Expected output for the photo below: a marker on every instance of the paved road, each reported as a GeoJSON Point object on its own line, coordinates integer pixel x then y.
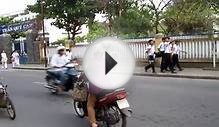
{"type": "Point", "coordinates": [157, 102]}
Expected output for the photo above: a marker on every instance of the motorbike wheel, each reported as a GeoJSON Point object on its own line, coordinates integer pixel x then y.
{"type": "Point", "coordinates": [122, 122]}
{"type": "Point", "coordinates": [10, 109]}
{"type": "Point", "coordinates": [78, 107]}
{"type": "Point", "coordinates": [51, 83]}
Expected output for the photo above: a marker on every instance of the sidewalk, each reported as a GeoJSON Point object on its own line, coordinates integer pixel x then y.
{"type": "Point", "coordinates": [194, 73]}
{"type": "Point", "coordinates": [31, 67]}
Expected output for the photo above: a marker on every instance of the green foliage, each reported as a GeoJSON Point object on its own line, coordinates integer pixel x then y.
{"type": "Point", "coordinates": [189, 16]}
{"type": "Point", "coordinates": [80, 39]}
{"type": "Point", "coordinates": [157, 9]}
{"type": "Point", "coordinates": [69, 15]}
{"type": "Point", "coordinates": [9, 21]}
{"type": "Point", "coordinates": [59, 42]}
{"type": "Point", "coordinates": [214, 4]}
{"type": "Point", "coordinates": [135, 18]}
{"type": "Point", "coordinates": [135, 22]}
{"type": "Point", "coordinates": [6, 20]}
{"type": "Point", "coordinates": [96, 30]}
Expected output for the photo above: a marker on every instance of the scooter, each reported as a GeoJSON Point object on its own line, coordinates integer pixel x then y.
{"type": "Point", "coordinates": [6, 103]}
{"type": "Point", "coordinates": [111, 110]}
{"type": "Point", "coordinates": [71, 77]}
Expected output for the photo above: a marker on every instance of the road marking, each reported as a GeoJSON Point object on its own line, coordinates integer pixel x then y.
{"type": "Point", "coordinates": [40, 83]}
{"type": "Point", "coordinates": [6, 70]}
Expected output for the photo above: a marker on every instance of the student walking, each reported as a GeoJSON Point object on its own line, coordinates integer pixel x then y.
{"type": "Point", "coordinates": [4, 60]}
{"type": "Point", "coordinates": [168, 56]}
{"type": "Point", "coordinates": [161, 49]}
{"type": "Point", "coordinates": [167, 53]}
{"type": "Point", "coordinates": [15, 59]}
{"type": "Point", "coordinates": [150, 50]}
{"type": "Point", "coordinates": [175, 58]}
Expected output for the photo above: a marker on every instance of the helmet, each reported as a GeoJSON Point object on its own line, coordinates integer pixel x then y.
{"type": "Point", "coordinates": [60, 48]}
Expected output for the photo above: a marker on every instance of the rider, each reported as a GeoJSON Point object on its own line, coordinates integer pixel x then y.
{"type": "Point", "coordinates": [59, 60]}
{"type": "Point", "coordinates": [92, 98]}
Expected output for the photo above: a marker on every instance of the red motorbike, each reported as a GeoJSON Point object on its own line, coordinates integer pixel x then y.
{"type": "Point", "coordinates": [112, 109]}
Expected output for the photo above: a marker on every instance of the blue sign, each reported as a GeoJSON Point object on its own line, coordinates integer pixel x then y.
{"type": "Point", "coordinates": [16, 27]}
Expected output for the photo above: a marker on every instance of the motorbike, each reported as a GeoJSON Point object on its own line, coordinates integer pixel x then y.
{"type": "Point", "coordinates": [6, 103]}
{"type": "Point", "coordinates": [111, 110]}
{"type": "Point", "coordinates": [71, 72]}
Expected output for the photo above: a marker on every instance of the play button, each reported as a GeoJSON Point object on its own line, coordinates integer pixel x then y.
{"type": "Point", "coordinates": [108, 63]}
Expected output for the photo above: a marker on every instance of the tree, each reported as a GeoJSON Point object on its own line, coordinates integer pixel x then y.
{"type": "Point", "coordinates": [80, 39]}
{"type": "Point", "coordinates": [134, 22]}
{"type": "Point", "coordinates": [157, 10]}
{"type": "Point", "coordinates": [114, 9]}
{"type": "Point", "coordinates": [189, 16]}
{"type": "Point", "coordinates": [96, 30]}
{"type": "Point", "coordinates": [68, 15]}
{"type": "Point", "coordinates": [59, 42]}
{"type": "Point", "coordinates": [214, 4]}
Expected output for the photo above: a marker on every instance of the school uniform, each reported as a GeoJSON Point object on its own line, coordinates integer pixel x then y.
{"type": "Point", "coordinates": [4, 60]}
{"type": "Point", "coordinates": [167, 56]}
{"type": "Point", "coordinates": [161, 50]}
{"type": "Point", "coordinates": [175, 58]}
{"type": "Point", "coordinates": [150, 50]}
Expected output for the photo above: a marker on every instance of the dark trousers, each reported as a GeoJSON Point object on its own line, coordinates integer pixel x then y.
{"type": "Point", "coordinates": [162, 65]}
{"type": "Point", "coordinates": [176, 61]}
{"type": "Point", "coordinates": [168, 61]}
{"type": "Point", "coordinates": [151, 61]}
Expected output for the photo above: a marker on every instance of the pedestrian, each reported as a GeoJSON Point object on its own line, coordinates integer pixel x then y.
{"type": "Point", "coordinates": [69, 54]}
{"type": "Point", "coordinates": [150, 50]}
{"type": "Point", "coordinates": [4, 60]}
{"type": "Point", "coordinates": [168, 55]}
{"type": "Point", "coordinates": [176, 51]}
{"type": "Point", "coordinates": [15, 59]}
{"type": "Point", "coordinates": [161, 49]}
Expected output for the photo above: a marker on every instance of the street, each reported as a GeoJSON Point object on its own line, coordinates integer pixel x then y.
{"type": "Point", "coordinates": [156, 102]}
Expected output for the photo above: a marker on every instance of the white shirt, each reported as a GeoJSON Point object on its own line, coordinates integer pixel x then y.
{"type": "Point", "coordinates": [58, 61]}
{"type": "Point", "coordinates": [150, 50]}
{"type": "Point", "coordinates": [176, 49]}
{"type": "Point", "coordinates": [168, 47]}
{"type": "Point", "coordinates": [4, 56]}
{"type": "Point", "coordinates": [15, 54]}
{"type": "Point", "coordinates": [69, 55]}
{"type": "Point", "coordinates": [161, 46]}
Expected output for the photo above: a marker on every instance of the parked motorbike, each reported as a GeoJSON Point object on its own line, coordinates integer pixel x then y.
{"type": "Point", "coordinates": [6, 103]}
{"type": "Point", "coordinates": [71, 72]}
{"type": "Point", "coordinates": [111, 109]}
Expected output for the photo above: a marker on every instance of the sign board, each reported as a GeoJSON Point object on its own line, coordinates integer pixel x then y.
{"type": "Point", "coordinates": [16, 27]}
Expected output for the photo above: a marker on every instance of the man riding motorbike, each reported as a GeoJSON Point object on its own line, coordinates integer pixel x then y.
{"type": "Point", "coordinates": [58, 61]}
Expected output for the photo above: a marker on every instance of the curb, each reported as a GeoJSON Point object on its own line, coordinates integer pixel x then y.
{"type": "Point", "coordinates": [211, 69]}
{"type": "Point", "coordinates": [177, 76]}
{"type": "Point", "coordinates": [30, 68]}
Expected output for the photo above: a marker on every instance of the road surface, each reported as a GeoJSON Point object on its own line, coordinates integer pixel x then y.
{"type": "Point", "coordinates": [156, 102]}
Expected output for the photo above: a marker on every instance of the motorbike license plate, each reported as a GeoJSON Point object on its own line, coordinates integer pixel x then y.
{"type": "Point", "coordinates": [123, 103]}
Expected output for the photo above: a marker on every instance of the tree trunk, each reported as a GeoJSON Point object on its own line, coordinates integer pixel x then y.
{"type": "Point", "coordinates": [110, 25]}
{"type": "Point", "coordinates": [69, 36]}
{"type": "Point", "coordinates": [156, 23]}
{"type": "Point", "coordinates": [73, 38]}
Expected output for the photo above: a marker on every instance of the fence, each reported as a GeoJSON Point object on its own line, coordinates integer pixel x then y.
{"type": "Point", "coordinates": [199, 48]}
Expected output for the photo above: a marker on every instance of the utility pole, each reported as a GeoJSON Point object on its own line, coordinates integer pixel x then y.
{"type": "Point", "coordinates": [214, 50]}
{"type": "Point", "coordinates": [43, 29]}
